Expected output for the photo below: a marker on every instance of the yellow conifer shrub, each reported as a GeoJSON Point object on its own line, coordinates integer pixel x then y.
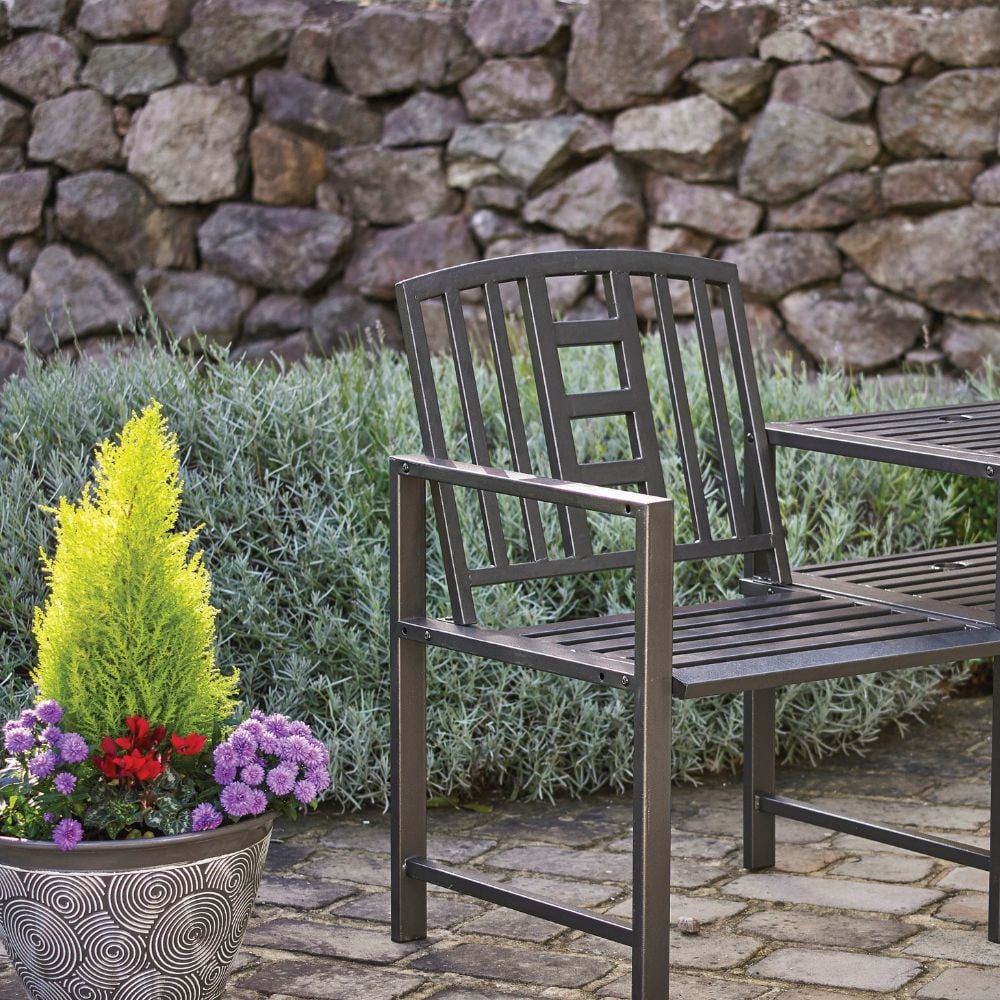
{"type": "Point", "coordinates": [128, 627]}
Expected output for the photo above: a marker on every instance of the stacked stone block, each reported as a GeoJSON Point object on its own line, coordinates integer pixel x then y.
{"type": "Point", "coordinates": [265, 170]}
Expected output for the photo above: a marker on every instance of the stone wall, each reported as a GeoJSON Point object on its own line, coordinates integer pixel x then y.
{"type": "Point", "coordinates": [266, 169]}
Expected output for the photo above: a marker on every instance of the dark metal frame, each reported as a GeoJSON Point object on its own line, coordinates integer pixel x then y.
{"type": "Point", "coordinates": [788, 628]}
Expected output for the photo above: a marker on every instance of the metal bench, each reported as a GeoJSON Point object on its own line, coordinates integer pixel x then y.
{"type": "Point", "coordinates": [786, 628]}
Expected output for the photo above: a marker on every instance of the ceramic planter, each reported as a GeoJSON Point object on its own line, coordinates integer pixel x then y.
{"type": "Point", "coordinates": [157, 919]}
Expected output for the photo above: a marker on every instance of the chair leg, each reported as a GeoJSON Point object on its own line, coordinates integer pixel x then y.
{"type": "Point", "coordinates": [408, 741]}
{"type": "Point", "coordinates": [993, 929]}
{"type": "Point", "coordinates": [758, 777]}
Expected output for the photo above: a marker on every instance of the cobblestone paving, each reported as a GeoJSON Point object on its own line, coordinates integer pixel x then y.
{"type": "Point", "coordinates": [838, 917]}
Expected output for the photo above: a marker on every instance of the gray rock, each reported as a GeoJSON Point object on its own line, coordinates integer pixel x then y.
{"type": "Point", "coordinates": [857, 326]}
{"type": "Point", "coordinates": [391, 190]}
{"type": "Point", "coordinates": [710, 209]}
{"type": "Point", "coordinates": [728, 33]}
{"type": "Point", "coordinates": [37, 15]}
{"type": "Point", "coordinates": [793, 150]}
{"type": "Point", "coordinates": [112, 214]}
{"type": "Point", "coordinates": [384, 50]}
{"type": "Point", "coordinates": [109, 19]}
{"type": "Point", "coordinates": [70, 295]}
{"type": "Point", "coordinates": [832, 88]}
{"type": "Point", "coordinates": [22, 255]}
{"type": "Point", "coordinates": [505, 90]}
{"type": "Point", "coordinates": [76, 131]}
{"type": "Point", "coordinates": [277, 316]}
{"type": "Point", "coordinates": [623, 52]}
{"type": "Point", "coordinates": [130, 72]}
{"type": "Point", "coordinates": [867, 35]}
{"type": "Point", "coordinates": [694, 138]}
{"type": "Point", "coordinates": [966, 38]}
{"type": "Point", "coordinates": [287, 168]}
{"type": "Point", "coordinates": [424, 117]}
{"type": "Point", "coordinates": [602, 204]}
{"type": "Point", "coordinates": [309, 50]}
{"type": "Point", "coordinates": [390, 255]}
{"type": "Point", "coordinates": [325, 113]}
{"type": "Point", "coordinates": [287, 249]}
{"type": "Point", "coordinates": [13, 123]}
{"type": "Point", "coordinates": [950, 260]}
{"type": "Point", "coordinates": [488, 226]}
{"type": "Point", "coordinates": [952, 114]}
{"type": "Point", "coordinates": [677, 239]}
{"type": "Point", "coordinates": [22, 198]}
{"type": "Point", "coordinates": [11, 159]}
{"type": "Point", "coordinates": [12, 361]}
{"type": "Point", "coordinates": [513, 27]}
{"type": "Point", "coordinates": [563, 292]}
{"type": "Point", "coordinates": [740, 83]}
{"type": "Point", "coordinates": [527, 153]}
{"type": "Point", "coordinates": [11, 290]}
{"type": "Point", "coordinates": [768, 338]}
{"type": "Point", "coordinates": [773, 264]}
{"type": "Point", "coordinates": [195, 305]}
{"type": "Point", "coordinates": [789, 46]}
{"type": "Point", "coordinates": [343, 317]}
{"type": "Point", "coordinates": [280, 352]}
{"type": "Point", "coordinates": [189, 144]}
{"type": "Point", "coordinates": [987, 186]}
{"type": "Point", "coordinates": [929, 183]}
{"type": "Point", "coordinates": [594, 137]}
{"type": "Point", "coordinates": [38, 66]}
{"type": "Point", "coordinates": [970, 346]}
{"type": "Point", "coordinates": [231, 36]}
{"type": "Point", "coordinates": [499, 196]}
{"type": "Point", "coordinates": [839, 202]}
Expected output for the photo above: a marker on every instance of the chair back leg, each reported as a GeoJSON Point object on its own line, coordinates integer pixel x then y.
{"type": "Point", "coordinates": [993, 924]}
{"type": "Point", "coordinates": [758, 778]}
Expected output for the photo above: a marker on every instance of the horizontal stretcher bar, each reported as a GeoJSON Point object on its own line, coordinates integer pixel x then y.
{"type": "Point", "coordinates": [934, 847]}
{"type": "Point", "coordinates": [567, 916]}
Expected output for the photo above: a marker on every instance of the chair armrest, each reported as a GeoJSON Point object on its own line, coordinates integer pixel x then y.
{"type": "Point", "coordinates": [518, 484]}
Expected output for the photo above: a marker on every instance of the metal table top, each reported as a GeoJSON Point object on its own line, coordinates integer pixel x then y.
{"type": "Point", "coordinates": [955, 438]}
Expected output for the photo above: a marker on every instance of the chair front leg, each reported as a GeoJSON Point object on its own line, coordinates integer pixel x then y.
{"type": "Point", "coordinates": [652, 766]}
{"type": "Point", "coordinates": [408, 673]}
{"type": "Point", "coordinates": [993, 926]}
{"type": "Point", "coordinates": [758, 777]}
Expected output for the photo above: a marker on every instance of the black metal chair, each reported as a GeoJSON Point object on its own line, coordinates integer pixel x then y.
{"type": "Point", "coordinates": [781, 631]}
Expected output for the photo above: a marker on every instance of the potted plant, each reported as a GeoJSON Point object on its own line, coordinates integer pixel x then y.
{"type": "Point", "coordinates": [135, 807]}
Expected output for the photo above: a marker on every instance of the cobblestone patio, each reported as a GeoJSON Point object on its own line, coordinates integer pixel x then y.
{"type": "Point", "coordinates": [839, 917]}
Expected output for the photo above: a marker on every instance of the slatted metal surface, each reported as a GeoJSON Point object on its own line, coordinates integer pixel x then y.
{"type": "Point", "coordinates": [952, 438]}
{"type": "Point", "coordinates": [780, 638]}
{"type": "Point", "coordinates": [962, 574]}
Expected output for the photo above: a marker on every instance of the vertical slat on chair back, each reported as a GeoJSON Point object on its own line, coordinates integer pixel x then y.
{"type": "Point", "coordinates": [747, 494]}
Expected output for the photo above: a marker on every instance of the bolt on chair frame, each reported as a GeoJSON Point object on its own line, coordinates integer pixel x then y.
{"type": "Point", "coordinates": [786, 628]}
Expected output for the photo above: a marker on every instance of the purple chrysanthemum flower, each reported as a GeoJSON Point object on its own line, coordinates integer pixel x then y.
{"type": "Point", "coordinates": [318, 777]}
{"type": "Point", "coordinates": [43, 764]}
{"type": "Point", "coordinates": [49, 817]}
{"type": "Point", "coordinates": [49, 712]}
{"type": "Point", "coordinates": [257, 803]}
{"type": "Point", "coordinates": [73, 748]}
{"type": "Point", "coordinates": [205, 817]}
{"type": "Point", "coordinates": [64, 782]}
{"type": "Point", "coordinates": [244, 747]}
{"type": "Point", "coordinates": [269, 743]}
{"type": "Point", "coordinates": [316, 755]}
{"type": "Point", "coordinates": [236, 799]}
{"type": "Point", "coordinates": [278, 724]}
{"type": "Point", "coordinates": [52, 735]}
{"type": "Point", "coordinates": [252, 774]}
{"type": "Point", "coordinates": [305, 792]}
{"type": "Point", "coordinates": [258, 715]}
{"type": "Point", "coordinates": [17, 739]}
{"type": "Point", "coordinates": [298, 728]}
{"type": "Point", "coordinates": [224, 755]}
{"type": "Point", "coordinates": [254, 727]}
{"type": "Point", "coordinates": [224, 774]}
{"type": "Point", "coordinates": [28, 718]}
{"type": "Point", "coordinates": [67, 834]}
{"type": "Point", "coordinates": [281, 779]}
{"type": "Point", "coordinates": [294, 748]}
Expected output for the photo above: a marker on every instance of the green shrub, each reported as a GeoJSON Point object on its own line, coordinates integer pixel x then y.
{"type": "Point", "coordinates": [288, 473]}
{"type": "Point", "coordinates": [127, 628]}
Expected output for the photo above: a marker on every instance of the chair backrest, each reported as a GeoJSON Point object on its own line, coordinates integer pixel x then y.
{"type": "Point", "coordinates": [745, 488]}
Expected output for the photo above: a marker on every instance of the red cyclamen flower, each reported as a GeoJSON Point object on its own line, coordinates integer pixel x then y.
{"type": "Point", "coordinates": [187, 746]}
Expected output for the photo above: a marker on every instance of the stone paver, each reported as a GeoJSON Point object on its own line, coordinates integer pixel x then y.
{"type": "Point", "coordinates": [837, 968]}
{"type": "Point", "coordinates": [962, 984]}
{"type": "Point", "coordinates": [839, 918]}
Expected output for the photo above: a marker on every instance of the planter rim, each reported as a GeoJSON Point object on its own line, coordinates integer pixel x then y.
{"type": "Point", "coordinates": [132, 855]}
